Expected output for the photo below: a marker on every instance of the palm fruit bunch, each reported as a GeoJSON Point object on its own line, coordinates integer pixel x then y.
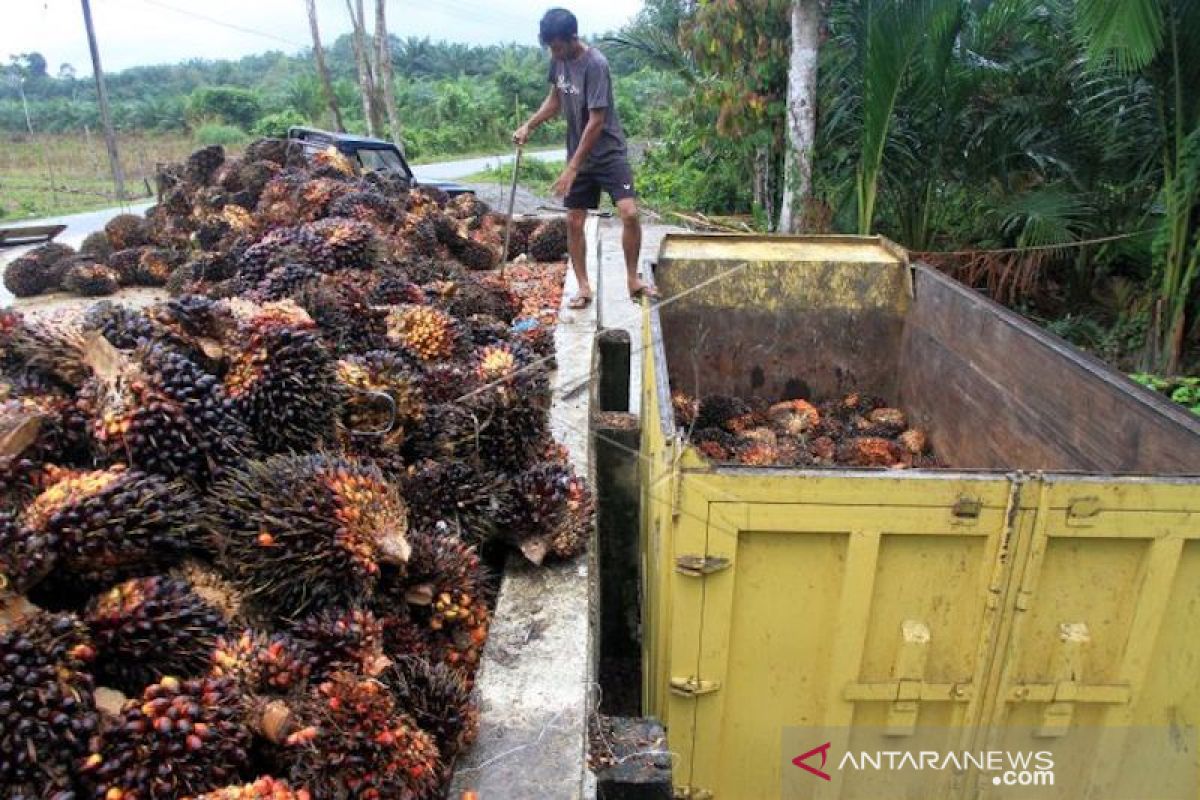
{"type": "Point", "coordinates": [91, 280]}
{"type": "Point", "coordinates": [127, 230]}
{"type": "Point", "coordinates": [126, 263]}
{"type": "Point", "coordinates": [96, 245]}
{"type": "Point", "coordinates": [484, 329]}
{"type": "Point", "coordinates": [443, 585]}
{"type": "Point", "coordinates": [439, 700]}
{"type": "Point", "coordinates": [25, 556]}
{"type": "Point", "coordinates": [419, 235]}
{"type": "Point", "coordinates": [552, 514]}
{"type": "Point", "coordinates": [160, 412]}
{"type": "Point", "coordinates": [339, 640]}
{"type": "Point", "coordinates": [181, 738]}
{"type": "Point", "coordinates": [297, 532]}
{"type": "Point", "coordinates": [483, 297]}
{"type": "Point", "coordinates": [455, 496]}
{"type": "Point", "coordinates": [261, 663]}
{"type": "Point", "coordinates": [278, 151]}
{"type": "Point", "coordinates": [154, 267]}
{"type": "Point", "coordinates": [284, 282]}
{"type": "Point", "coordinates": [369, 207]}
{"type": "Point", "coordinates": [47, 714]}
{"type": "Point", "coordinates": [522, 230]}
{"type": "Point", "coordinates": [203, 164]}
{"type": "Point", "coordinates": [352, 740]}
{"type": "Point", "coordinates": [391, 286]}
{"type": "Point", "coordinates": [855, 430]}
{"type": "Point", "coordinates": [281, 246]}
{"type": "Point", "coordinates": [282, 378]}
{"type": "Point", "coordinates": [106, 523]}
{"type": "Point", "coordinates": [427, 331]}
{"type": "Point", "coordinates": [383, 401]}
{"type": "Point", "coordinates": [113, 521]}
{"type": "Point", "coordinates": [340, 306]}
{"type": "Point", "coordinates": [51, 349]}
{"type": "Point", "coordinates": [549, 241]}
{"type": "Point", "coordinates": [264, 788]}
{"type": "Point", "coordinates": [145, 628]}
{"type": "Point", "coordinates": [350, 242]}
{"type": "Point", "coordinates": [35, 272]}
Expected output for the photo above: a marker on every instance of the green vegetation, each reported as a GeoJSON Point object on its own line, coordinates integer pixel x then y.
{"type": "Point", "coordinates": [1045, 151]}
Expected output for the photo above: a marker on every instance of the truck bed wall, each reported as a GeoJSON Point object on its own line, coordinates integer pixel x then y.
{"type": "Point", "coordinates": [993, 391]}
{"type": "Point", "coordinates": [996, 392]}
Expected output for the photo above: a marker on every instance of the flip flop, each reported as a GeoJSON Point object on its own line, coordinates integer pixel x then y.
{"type": "Point", "coordinates": [580, 301]}
{"type": "Point", "coordinates": [645, 291]}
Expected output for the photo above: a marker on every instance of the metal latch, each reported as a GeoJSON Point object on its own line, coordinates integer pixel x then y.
{"type": "Point", "coordinates": [1067, 688]}
{"type": "Point", "coordinates": [697, 566]}
{"type": "Point", "coordinates": [691, 687]}
{"type": "Point", "coordinates": [691, 793]}
{"type": "Point", "coordinates": [967, 508]}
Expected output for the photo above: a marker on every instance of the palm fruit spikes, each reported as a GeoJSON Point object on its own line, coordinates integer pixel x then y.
{"type": "Point", "coordinates": [181, 738]}
{"type": "Point", "coordinates": [369, 749]}
{"type": "Point", "coordinates": [145, 628]}
{"type": "Point", "coordinates": [47, 715]}
{"type": "Point", "coordinates": [300, 532]}
{"type": "Point", "coordinates": [342, 640]}
{"type": "Point", "coordinates": [111, 521]}
{"type": "Point", "coordinates": [162, 413]}
{"type": "Point", "coordinates": [261, 663]}
{"type": "Point", "coordinates": [282, 378]}
{"type": "Point", "coordinates": [439, 700]}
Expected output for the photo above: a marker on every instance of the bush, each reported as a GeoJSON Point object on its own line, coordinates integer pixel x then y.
{"type": "Point", "coordinates": [215, 133]}
{"type": "Point", "coordinates": [277, 124]}
{"type": "Point", "coordinates": [229, 104]}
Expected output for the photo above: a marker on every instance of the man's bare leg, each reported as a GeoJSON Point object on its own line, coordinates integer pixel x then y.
{"type": "Point", "coordinates": [577, 247]}
{"type": "Point", "coordinates": [631, 241]}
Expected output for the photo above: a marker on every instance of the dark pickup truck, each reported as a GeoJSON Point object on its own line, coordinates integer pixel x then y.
{"type": "Point", "coordinates": [370, 155]}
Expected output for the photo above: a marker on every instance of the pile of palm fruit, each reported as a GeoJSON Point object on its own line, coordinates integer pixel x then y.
{"type": "Point", "coordinates": [245, 533]}
{"type": "Point", "coordinates": [317, 217]}
{"type": "Point", "coordinates": [852, 431]}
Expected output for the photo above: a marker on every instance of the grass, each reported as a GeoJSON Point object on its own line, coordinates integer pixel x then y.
{"type": "Point", "coordinates": [536, 176]}
{"type": "Point", "coordinates": [64, 174]}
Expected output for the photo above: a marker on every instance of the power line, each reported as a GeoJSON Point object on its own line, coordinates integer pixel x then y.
{"type": "Point", "coordinates": [224, 24]}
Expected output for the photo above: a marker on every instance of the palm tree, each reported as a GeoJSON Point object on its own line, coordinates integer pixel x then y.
{"type": "Point", "coordinates": [1156, 40]}
{"type": "Point", "coordinates": [322, 68]}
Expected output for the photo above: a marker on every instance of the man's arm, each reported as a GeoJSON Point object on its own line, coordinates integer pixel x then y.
{"type": "Point", "coordinates": [591, 132]}
{"type": "Point", "coordinates": [548, 110]}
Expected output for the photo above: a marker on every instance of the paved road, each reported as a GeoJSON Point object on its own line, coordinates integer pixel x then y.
{"type": "Point", "coordinates": [450, 170]}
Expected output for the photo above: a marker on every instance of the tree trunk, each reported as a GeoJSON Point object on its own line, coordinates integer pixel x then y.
{"type": "Point", "coordinates": [323, 69]}
{"type": "Point", "coordinates": [366, 83]}
{"type": "Point", "coordinates": [801, 114]}
{"type": "Point", "coordinates": [110, 137]}
{"type": "Point", "coordinates": [383, 62]}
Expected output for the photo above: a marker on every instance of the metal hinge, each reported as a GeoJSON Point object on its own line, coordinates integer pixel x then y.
{"type": "Point", "coordinates": [690, 687]}
{"type": "Point", "coordinates": [967, 508]}
{"type": "Point", "coordinates": [691, 793]}
{"type": "Point", "coordinates": [1082, 510]}
{"type": "Point", "coordinates": [696, 566]}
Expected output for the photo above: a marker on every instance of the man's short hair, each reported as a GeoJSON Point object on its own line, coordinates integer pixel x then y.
{"type": "Point", "coordinates": [558, 25]}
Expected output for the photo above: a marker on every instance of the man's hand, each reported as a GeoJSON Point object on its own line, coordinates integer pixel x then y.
{"type": "Point", "coordinates": [562, 186]}
{"type": "Point", "coordinates": [521, 135]}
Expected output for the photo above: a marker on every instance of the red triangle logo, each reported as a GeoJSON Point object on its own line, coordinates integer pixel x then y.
{"type": "Point", "coordinates": [824, 751]}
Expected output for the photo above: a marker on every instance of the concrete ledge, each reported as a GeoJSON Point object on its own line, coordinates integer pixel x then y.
{"type": "Point", "coordinates": [536, 676]}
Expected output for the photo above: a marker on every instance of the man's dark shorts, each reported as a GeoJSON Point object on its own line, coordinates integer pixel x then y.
{"type": "Point", "coordinates": [615, 177]}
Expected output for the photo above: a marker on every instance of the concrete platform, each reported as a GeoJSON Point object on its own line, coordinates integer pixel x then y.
{"type": "Point", "coordinates": [536, 681]}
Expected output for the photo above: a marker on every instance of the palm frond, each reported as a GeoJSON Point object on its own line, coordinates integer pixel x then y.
{"type": "Point", "coordinates": [1131, 32]}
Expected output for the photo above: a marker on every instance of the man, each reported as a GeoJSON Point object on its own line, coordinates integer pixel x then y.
{"type": "Point", "coordinates": [597, 158]}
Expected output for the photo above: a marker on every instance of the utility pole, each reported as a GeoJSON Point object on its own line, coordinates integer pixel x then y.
{"type": "Point", "coordinates": [110, 138]}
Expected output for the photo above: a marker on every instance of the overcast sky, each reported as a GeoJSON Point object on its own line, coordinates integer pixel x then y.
{"type": "Point", "coordinates": [139, 32]}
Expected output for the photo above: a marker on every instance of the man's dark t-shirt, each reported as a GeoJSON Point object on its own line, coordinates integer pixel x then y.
{"type": "Point", "coordinates": [584, 84]}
